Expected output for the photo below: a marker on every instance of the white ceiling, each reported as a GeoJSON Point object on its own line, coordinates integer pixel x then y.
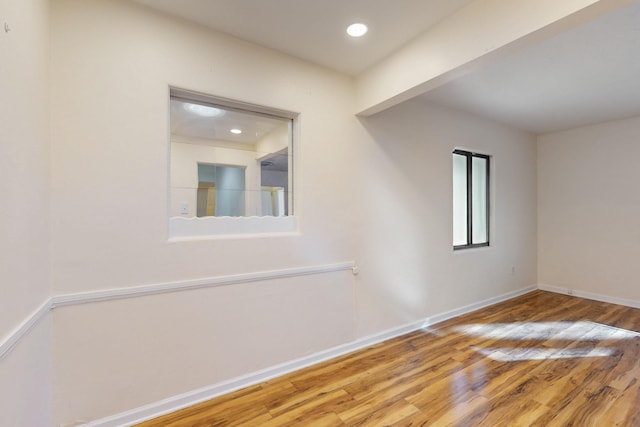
{"type": "Point", "coordinates": [217, 127]}
{"type": "Point", "coordinates": [586, 75]}
{"type": "Point", "coordinates": [314, 30]}
{"type": "Point", "coordinates": [210, 124]}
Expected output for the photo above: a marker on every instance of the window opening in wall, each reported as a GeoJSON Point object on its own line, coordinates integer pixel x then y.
{"type": "Point", "coordinates": [470, 199]}
{"type": "Point", "coordinates": [229, 158]}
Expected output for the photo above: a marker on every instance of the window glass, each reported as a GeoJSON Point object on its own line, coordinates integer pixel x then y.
{"type": "Point", "coordinates": [221, 190]}
{"type": "Point", "coordinates": [459, 200]}
{"type": "Point", "coordinates": [228, 160]}
{"type": "Point", "coordinates": [470, 199]}
{"type": "Point", "coordinates": [479, 200]}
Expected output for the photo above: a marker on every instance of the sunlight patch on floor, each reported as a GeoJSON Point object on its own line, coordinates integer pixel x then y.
{"type": "Point", "coordinates": [522, 354]}
{"type": "Point", "coordinates": [544, 340]}
{"type": "Point", "coordinates": [574, 331]}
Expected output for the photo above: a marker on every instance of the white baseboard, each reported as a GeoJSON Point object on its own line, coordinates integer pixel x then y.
{"type": "Point", "coordinates": [589, 295]}
{"type": "Point", "coordinates": [181, 401]}
{"type": "Point", "coordinates": [476, 306]}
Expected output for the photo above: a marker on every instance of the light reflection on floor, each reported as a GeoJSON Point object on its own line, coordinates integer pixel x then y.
{"type": "Point", "coordinates": [575, 331]}
{"type": "Point", "coordinates": [545, 340]}
{"type": "Point", "coordinates": [521, 354]}
{"type": "Point", "coordinates": [524, 342]}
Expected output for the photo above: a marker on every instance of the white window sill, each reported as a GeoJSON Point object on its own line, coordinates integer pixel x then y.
{"type": "Point", "coordinates": [181, 228]}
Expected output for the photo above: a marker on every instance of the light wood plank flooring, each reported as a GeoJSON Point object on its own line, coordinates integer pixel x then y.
{"type": "Point", "coordinates": [538, 360]}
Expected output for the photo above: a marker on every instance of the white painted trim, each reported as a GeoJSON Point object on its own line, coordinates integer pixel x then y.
{"type": "Point", "coordinates": [24, 328]}
{"type": "Point", "coordinates": [477, 306]}
{"type": "Point", "coordinates": [181, 401]}
{"type": "Point", "coordinates": [212, 227]}
{"type": "Point", "coordinates": [160, 288]}
{"type": "Point", "coordinates": [554, 289]}
{"type": "Point", "coordinates": [114, 294]}
{"type": "Point", "coordinates": [589, 295]}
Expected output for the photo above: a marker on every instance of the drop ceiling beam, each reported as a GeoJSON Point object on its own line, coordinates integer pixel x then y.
{"type": "Point", "coordinates": [481, 32]}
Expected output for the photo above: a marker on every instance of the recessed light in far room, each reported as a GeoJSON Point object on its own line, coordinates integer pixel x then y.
{"type": "Point", "coordinates": [203, 110]}
{"type": "Point", "coordinates": [357, 30]}
{"type": "Point", "coordinates": [235, 131]}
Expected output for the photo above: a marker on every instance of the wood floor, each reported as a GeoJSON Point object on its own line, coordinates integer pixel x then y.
{"type": "Point", "coordinates": [542, 359]}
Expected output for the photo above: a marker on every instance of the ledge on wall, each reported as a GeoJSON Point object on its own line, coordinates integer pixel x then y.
{"type": "Point", "coordinates": [181, 228]}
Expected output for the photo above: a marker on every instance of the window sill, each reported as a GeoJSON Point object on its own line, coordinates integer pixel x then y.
{"type": "Point", "coordinates": [181, 228]}
{"type": "Point", "coordinates": [476, 246]}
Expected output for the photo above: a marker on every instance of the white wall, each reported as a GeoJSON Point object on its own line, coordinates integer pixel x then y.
{"type": "Point", "coordinates": [112, 64]}
{"type": "Point", "coordinates": [274, 142]}
{"type": "Point", "coordinates": [409, 268]}
{"type": "Point", "coordinates": [110, 145]}
{"type": "Point", "coordinates": [377, 192]}
{"type": "Point", "coordinates": [588, 207]}
{"type": "Point", "coordinates": [25, 380]}
{"type": "Point", "coordinates": [24, 212]}
{"type": "Point", "coordinates": [114, 356]}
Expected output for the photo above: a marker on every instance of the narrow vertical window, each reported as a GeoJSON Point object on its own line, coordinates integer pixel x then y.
{"type": "Point", "coordinates": [470, 199]}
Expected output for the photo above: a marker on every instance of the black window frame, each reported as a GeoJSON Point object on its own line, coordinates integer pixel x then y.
{"type": "Point", "coordinates": [470, 155]}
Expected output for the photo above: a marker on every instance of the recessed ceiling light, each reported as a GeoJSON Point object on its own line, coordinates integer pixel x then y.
{"type": "Point", "coordinates": [236, 131]}
{"type": "Point", "coordinates": [357, 30]}
{"type": "Point", "coordinates": [203, 110]}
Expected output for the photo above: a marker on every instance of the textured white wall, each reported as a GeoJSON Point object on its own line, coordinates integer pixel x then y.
{"type": "Point", "coordinates": [110, 212]}
{"type": "Point", "coordinates": [119, 355]}
{"type": "Point", "coordinates": [588, 207]}
{"type": "Point", "coordinates": [25, 380]}
{"type": "Point", "coordinates": [409, 268]}
{"type": "Point", "coordinates": [24, 212]}
{"type": "Point", "coordinates": [24, 161]}
{"type": "Point", "coordinates": [110, 146]}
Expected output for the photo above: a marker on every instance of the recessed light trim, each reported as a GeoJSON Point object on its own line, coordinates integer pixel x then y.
{"type": "Point", "coordinates": [236, 131]}
{"type": "Point", "coordinates": [357, 29]}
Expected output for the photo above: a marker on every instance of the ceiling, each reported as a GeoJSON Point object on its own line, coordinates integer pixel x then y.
{"type": "Point", "coordinates": [208, 123]}
{"type": "Point", "coordinates": [315, 30]}
{"type": "Point", "coordinates": [587, 75]}
{"type": "Point", "coordinates": [583, 76]}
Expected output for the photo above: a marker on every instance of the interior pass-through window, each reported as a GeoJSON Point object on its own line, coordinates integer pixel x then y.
{"type": "Point", "coordinates": [229, 159]}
